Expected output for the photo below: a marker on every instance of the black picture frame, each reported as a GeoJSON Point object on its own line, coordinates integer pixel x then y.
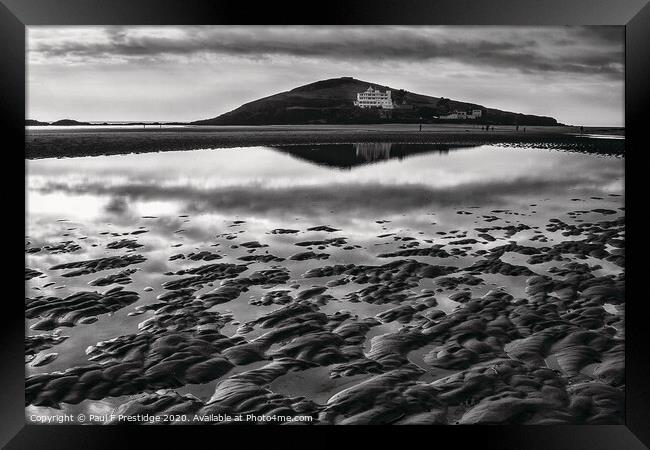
{"type": "Point", "coordinates": [633, 14]}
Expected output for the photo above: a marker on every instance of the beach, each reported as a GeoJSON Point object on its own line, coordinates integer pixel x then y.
{"type": "Point", "coordinates": [452, 282]}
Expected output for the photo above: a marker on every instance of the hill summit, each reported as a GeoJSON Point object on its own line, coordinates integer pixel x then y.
{"type": "Point", "coordinates": [332, 101]}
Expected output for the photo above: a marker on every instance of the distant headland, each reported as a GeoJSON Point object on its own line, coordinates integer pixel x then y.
{"type": "Point", "coordinates": [71, 122]}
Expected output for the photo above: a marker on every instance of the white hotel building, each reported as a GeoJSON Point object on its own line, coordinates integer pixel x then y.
{"type": "Point", "coordinates": [373, 98]}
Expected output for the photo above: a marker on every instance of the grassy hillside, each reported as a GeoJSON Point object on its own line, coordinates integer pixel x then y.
{"type": "Point", "coordinates": [331, 101]}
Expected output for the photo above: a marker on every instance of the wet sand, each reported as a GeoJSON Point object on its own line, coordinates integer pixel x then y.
{"type": "Point", "coordinates": [551, 355]}
{"type": "Point", "coordinates": [45, 142]}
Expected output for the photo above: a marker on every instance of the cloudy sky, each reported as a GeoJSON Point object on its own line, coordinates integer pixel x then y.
{"type": "Point", "coordinates": [574, 74]}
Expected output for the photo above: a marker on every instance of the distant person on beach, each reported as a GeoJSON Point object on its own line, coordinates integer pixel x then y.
{"type": "Point", "coordinates": [582, 129]}
{"type": "Point", "coordinates": [420, 127]}
{"type": "Point", "coordinates": [516, 127]}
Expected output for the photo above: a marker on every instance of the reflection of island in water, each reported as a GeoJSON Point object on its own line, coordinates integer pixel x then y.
{"type": "Point", "coordinates": [373, 151]}
{"type": "Point", "coordinates": [346, 156]}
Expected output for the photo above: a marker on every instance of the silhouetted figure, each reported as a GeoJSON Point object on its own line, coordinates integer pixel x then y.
{"type": "Point", "coordinates": [582, 129]}
{"type": "Point", "coordinates": [420, 127]}
{"type": "Point", "coordinates": [524, 129]}
{"type": "Point", "coordinates": [516, 127]}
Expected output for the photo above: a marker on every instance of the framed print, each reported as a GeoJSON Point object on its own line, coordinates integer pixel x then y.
{"type": "Point", "coordinates": [376, 215]}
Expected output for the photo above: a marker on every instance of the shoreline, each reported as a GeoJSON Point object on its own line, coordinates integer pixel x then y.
{"type": "Point", "coordinates": [81, 141]}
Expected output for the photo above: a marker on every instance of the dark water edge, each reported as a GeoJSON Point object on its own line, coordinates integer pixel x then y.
{"type": "Point", "coordinates": [74, 143]}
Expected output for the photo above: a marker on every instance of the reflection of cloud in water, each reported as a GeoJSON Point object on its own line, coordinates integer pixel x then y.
{"type": "Point", "coordinates": [278, 168]}
{"type": "Point", "coordinates": [362, 198]}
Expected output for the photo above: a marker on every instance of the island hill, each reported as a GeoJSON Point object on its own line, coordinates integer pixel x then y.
{"type": "Point", "coordinates": [347, 100]}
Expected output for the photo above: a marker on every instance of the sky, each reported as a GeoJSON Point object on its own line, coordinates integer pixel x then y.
{"type": "Point", "coordinates": [169, 73]}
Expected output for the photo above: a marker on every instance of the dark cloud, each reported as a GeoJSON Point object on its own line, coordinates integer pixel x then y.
{"type": "Point", "coordinates": [591, 50]}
